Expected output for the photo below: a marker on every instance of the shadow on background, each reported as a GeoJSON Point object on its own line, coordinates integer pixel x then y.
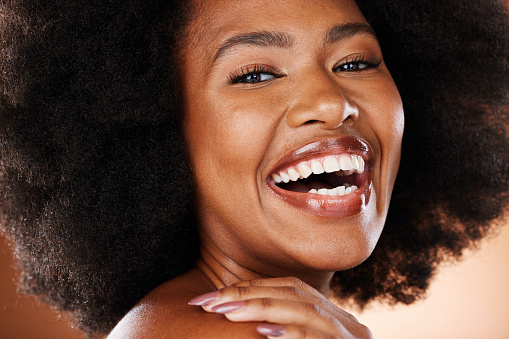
{"type": "Point", "coordinates": [21, 317]}
{"type": "Point", "coordinates": [469, 300]}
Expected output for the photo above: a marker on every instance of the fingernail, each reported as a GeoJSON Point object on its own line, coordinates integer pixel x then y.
{"type": "Point", "coordinates": [271, 330]}
{"type": "Point", "coordinates": [228, 307]}
{"type": "Point", "coordinates": [204, 299]}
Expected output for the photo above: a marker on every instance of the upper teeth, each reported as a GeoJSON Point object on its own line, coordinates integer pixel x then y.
{"type": "Point", "coordinates": [344, 164]}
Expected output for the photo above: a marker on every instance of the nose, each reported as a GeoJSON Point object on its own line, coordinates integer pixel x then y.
{"type": "Point", "coordinates": [320, 100]}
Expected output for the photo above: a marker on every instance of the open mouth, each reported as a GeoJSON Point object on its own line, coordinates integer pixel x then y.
{"type": "Point", "coordinates": [332, 175]}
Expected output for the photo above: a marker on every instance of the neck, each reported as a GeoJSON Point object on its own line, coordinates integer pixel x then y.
{"type": "Point", "coordinates": [223, 271]}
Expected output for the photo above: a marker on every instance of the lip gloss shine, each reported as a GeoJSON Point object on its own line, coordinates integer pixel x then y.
{"type": "Point", "coordinates": [323, 205]}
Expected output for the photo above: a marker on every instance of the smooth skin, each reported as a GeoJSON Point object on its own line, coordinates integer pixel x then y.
{"type": "Point", "coordinates": [246, 106]}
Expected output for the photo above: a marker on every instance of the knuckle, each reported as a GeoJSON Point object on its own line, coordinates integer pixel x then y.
{"type": "Point", "coordinates": [354, 318]}
{"type": "Point", "coordinates": [256, 282]}
{"type": "Point", "coordinates": [312, 310]}
{"type": "Point", "coordinates": [266, 303]}
{"type": "Point", "coordinates": [303, 333]}
{"type": "Point", "coordinates": [242, 292]}
{"type": "Point", "coordinates": [362, 331]}
{"type": "Point", "coordinates": [366, 332]}
{"type": "Point", "coordinates": [293, 281]}
{"type": "Point", "coordinates": [291, 291]}
{"type": "Point", "coordinates": [245, 283]}
{"type": "Point", "coordinates": [350, 316]}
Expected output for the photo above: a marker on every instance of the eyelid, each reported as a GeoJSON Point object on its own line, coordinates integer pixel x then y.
{"type": "Point", "coordinates": [371, 59]}
{"type": "Point", "coordinates": [235, 76]}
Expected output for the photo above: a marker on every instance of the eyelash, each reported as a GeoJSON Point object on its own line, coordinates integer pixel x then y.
{"type": "Point", "coordinates": [240, 76]}
{"type": "Point", "coordinates": [370, 62]}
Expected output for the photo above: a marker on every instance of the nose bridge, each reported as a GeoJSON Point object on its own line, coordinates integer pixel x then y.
{"type": "Point", "coordinates": [319, 99]}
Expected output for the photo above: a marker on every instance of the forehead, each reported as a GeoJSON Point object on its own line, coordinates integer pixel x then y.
{"type": "Point", "coordinates": [214, 21]}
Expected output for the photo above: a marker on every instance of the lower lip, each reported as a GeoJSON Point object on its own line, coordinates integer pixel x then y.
{"type": "Point", "coordinates": [327, 206]}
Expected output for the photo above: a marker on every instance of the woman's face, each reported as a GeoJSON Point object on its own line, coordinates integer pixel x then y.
{"type": "Point", "coordinates": [275, 90]}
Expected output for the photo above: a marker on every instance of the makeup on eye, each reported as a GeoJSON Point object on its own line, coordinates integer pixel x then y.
{"type": "Point", "coordinates": [253, 74]}
{"type": "Point", "coordinates": [358, 63]}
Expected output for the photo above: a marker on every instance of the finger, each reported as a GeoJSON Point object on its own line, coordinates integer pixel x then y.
{"type": "Point", "coordinates": [276, 289]}
{"type": "Point", "coordinates": [279, 282]}
{"type": "Point", "coordinates": [229, 294]}
{"type": "Point", "coordinates": [299, 285]}
{"type": "Point", "coordinates": [284, 312]}
{"type": "Point", "coordinates": [293, 332]}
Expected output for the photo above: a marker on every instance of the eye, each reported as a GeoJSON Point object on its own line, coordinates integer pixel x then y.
{"type": "Point", "coordinates": [358, 63]}
{"type": "Point", "coordinates": [353, 66]}
{"type": "Point", "coordinates": [257, 77]}
{"type": "Point", "coordinates": [253, 74]}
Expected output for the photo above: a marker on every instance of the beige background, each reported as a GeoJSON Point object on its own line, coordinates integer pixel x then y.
{"type": "Point", "coordinates": [469, 300]}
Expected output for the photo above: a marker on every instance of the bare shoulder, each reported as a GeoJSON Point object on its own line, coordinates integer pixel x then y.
{"type": "Point", "coordinates": [164, 313]}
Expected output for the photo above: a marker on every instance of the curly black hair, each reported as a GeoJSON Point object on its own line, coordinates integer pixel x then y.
{"type": "Point", "coordinates": [96, 189]}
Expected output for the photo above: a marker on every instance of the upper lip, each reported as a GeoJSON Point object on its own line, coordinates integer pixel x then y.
{"type": "Point", "coordinates": [345, 144]}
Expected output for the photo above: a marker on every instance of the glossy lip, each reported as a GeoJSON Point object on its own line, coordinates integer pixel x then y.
{"type": "Point", "coordinates": [328, 206]}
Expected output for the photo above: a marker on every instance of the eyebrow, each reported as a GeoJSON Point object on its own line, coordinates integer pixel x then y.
{"type": "Point", "coordinates": [263, 38]}
{"type": "Point", "coordinates": [347, 30]}
{"type": "Point", "coordinates": [284, 40]}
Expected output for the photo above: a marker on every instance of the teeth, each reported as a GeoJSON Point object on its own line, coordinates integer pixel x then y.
{"type": "Point", "coordinates": [277, 179]}
{"type": "Point", "coordinates": [304, 170]}
{"type": "Point", "coordinates": [341, 190]}
{"type": "Point", "coordinates": [317, 167]}
{"type": "Point", "coordinates": [294, 175]}
{"type": "Point", "coordinates": [355, 162]}
{"type": "Point", "coordinates": [330, 164]}
{"type": "Point", "coordinates": [338, 191]}
{"type": "Point", "coordinates": [323, 191]}
{"type": "Point", "coordinates": [361, 166]}
{"type": "Point", "coordinates": [345, 163]}
{"type": "Point", "coordinates": [285, 177]}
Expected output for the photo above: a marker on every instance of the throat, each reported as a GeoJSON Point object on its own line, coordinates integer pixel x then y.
{"type": "Point", "coordinates": [222, 270]}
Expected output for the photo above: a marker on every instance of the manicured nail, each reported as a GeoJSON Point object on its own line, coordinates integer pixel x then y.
{"type": "Point", "coordinates": [271, 330]}
{"type": "Point", "coordinates": [205, 299]}
{"type": "Point", "coordinates": [233, 306]}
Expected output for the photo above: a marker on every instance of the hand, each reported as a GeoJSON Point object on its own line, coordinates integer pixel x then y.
{"type": "Point", "coordinates": [288, 307]}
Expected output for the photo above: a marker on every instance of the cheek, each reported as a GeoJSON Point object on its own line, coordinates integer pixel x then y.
{"type": "Point", "coordinates": [392, 133]}
{"type": "Point", "coordinates": [227, 142]}
{"type": "Point", "coordinates": [384, 113]}
{"type": "Point", "coordinates": [227, 139]}
{"type": "Point", "coordinates": [389, 128]}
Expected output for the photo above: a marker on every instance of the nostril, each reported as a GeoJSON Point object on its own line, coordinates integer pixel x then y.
{"type": "Point", "coordinates": [349, 118]}
{"type": "Point", "coordinates": [311, 122]}
{"type": "Point", "coordinates": [327, 109]}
